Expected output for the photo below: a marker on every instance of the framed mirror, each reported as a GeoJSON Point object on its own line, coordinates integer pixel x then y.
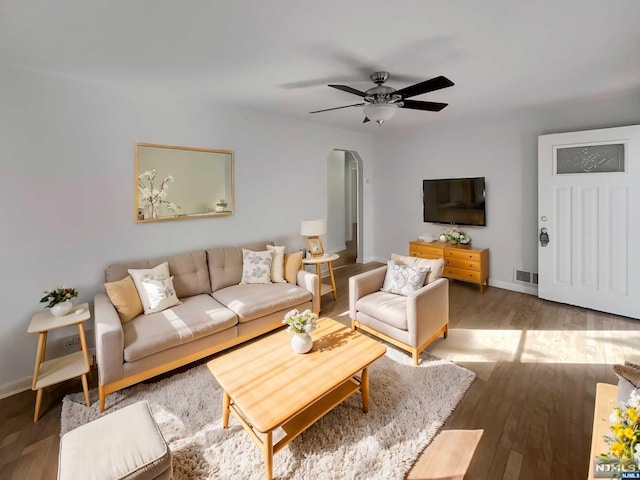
{"type": "Point", "coordinates": [174, 183]}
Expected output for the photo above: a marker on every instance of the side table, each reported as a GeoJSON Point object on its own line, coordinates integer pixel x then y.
{"type": "Point", "coordinates": [56, 370]}
{"type": "Point", "coordinates": [318, 262]}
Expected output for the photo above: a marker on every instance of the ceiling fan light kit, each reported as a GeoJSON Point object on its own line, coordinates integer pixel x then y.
{"type": "Point", "coordinates": [380, 112]}
{"type": "Point", "coordinates": [382, 102]}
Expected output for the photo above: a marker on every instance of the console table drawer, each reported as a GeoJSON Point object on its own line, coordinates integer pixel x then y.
{"type": "Point", "coordinates": [462, 263]}
{"type": "Point", "coordinates": [462, 254]}
{"type": "Point", "coordinates": [462, 274]}
{"type": "Point", "coordinates": [425, 251]}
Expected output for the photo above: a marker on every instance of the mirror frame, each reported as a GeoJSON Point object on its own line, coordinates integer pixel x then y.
{"type": "Point", "coordinates": [182, 216]}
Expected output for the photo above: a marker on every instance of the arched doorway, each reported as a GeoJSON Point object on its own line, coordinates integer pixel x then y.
{"type": "Point", "coordinates": [344, 206]}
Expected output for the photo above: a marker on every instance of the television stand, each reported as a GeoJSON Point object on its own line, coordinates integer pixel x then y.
{"type": "Point", "coordinates": [461, 262]}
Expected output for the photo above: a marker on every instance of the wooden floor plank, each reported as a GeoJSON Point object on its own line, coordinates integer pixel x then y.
{"type": "Point", "coordinates": [537, 365]}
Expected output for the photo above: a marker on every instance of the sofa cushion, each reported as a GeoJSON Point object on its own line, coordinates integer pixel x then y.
{"type": "Point", "coordinates": [160, 294]}
{"type": "Point", "coordinates": [196, 317]}
{"type": "Point", "coordinates": [277, 263]}
{"type": "Point", "coordinates": [256, 267]}
{"type": "Point", "coordinates": [403, 279]}
{"type": "Point", "coordinates": [292, 264]}
{"type": "Point", "coordinates": [256, 300]}
{"type": "Point", "coordinates": [125, 298]}
{"type": "Point", "coordinates": [435, 264]}
{"type": "Point", "coordinates": [190, 272]}
{"type": "Point", "coordinates": [160, 272]}
{"type": "Point", "coordinates": [387, 307]}
{"type": "Point", "coordinates": [225, 264]}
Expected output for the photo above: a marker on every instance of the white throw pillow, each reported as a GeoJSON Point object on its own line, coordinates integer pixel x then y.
{"type": "Point", "coordinates": [256, 267]}
{"type": "Point", "coordinates": [161, 294]}
{"type": "Point", "coordinates": [277, 263]}
{"type": "Point", "coordinates": [435, 264]}
{"type": "Point", "coordinates": [402, 279]}
{"type": "Point", "coordinates": [160, 272]}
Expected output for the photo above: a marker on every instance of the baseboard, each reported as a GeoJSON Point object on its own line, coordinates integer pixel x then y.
{"type": "Point", "coordinates": [14, 387]}
{"type": "Point", "coordinates": [515, 287]}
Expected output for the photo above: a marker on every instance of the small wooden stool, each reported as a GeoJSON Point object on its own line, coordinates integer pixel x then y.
{"type": "Point", "coordinates": [123, 444]}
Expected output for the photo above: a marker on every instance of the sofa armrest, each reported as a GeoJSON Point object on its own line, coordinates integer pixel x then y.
{"type": "Point", "coordinates": [109, 340]}
{"type": "Point", "coordinates": [428, 310]}
{"type": "Point", "coordinates": [364, 284]}
{"type": "Point", "coordinates": [310, 281]}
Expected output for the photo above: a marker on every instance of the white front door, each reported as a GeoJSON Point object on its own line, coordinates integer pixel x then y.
{"type": "Point", "coordinates": [589, 204]}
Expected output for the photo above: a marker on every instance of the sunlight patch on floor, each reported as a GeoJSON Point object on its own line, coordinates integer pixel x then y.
{"type": "Point", "coordinates": [539, 346]}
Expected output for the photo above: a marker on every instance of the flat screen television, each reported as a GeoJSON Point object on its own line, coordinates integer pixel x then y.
{"type": "Point", "coordinates": [454, 201]}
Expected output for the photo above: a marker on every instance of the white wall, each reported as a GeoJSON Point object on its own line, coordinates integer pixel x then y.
{"type": "Point", "coordinates": [504, 150]}
{"type": "Point", "coordinates": [67, 189]}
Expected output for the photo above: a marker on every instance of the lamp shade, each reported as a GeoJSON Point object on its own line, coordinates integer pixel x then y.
{"type": "Point", "coordinates": [380, 112]}
{"type": "Point", "coordinates": [313, 228]}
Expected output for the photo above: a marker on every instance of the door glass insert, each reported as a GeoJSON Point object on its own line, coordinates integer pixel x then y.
{"type": "Point", "coordinates": [590, 159]}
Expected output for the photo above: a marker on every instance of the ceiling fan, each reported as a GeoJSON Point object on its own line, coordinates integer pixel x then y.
{"type": "Point", "coordinates": [381, 102]}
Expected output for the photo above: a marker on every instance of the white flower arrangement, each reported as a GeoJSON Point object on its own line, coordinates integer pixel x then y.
{"type": "Point", "coordinates": [305, 322]}
{"type": "Point", "coordinates": [154, 197]}
{"type": "Point", "coordinates": [458, 236]}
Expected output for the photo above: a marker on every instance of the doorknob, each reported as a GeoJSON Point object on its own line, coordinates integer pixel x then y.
{"type": "Point", "coordinates": [544, 237]}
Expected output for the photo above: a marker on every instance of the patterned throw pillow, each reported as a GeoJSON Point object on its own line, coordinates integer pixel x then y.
{"type": "Point", "coordinates": [161, 294]}
{"type": "Point", "coordinates": [256, 267]}
{"type": "Point", "coordinates": [436, 265]}
{"type": "Point", "coordinates": [159, 272]}
{"type": "Point", "coordinates": [402, 279]}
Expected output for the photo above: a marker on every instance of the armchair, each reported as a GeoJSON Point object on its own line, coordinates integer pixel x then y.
{"type": "Point", "coordinates": [409, 322]}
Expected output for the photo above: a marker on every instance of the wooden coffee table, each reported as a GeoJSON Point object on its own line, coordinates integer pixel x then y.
{"type": "Point", "coordinates": [267, 386]}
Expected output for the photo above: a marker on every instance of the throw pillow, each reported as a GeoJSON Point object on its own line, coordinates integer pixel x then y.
{"type": "Point", "coordinates": [277, 263]}
{"type": "Point", "coordinates": [402, 279]}
{"type": "Point", "coordinates": [256, 267]}
{"type": "Point", "coordinates": [161, 294]}
{"type": "Point", "coordinates": [435, 264]}
{"type": "Point", "coordinates": [628, 380]}
{"type": "Point", "coordinates": [159, 272]}
{"type": "Point", "coordinates": [292, 265]}
{"type": "Point", "coordinates": [125, 298]}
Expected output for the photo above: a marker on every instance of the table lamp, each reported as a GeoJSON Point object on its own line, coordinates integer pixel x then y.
{"type": "Point", "coordinates": [312, 229]}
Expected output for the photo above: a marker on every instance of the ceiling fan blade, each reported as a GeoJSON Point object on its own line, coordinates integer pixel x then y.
{"type": "Point", "coordinates": [338, 108]}
{"type": "Point", "coordinates": [366, 119]}
{"type": "Point", "coordinates": [418, 105]}
{"type": "Point", "coordinates": [347, 89]}
{"type": "Point", "coordinates": [423, 87]}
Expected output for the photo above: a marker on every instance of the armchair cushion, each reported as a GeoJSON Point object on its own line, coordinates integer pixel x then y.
{"type": "Point", "coordinates": [389, 306]}
{"type": "Point", "coordinates": [402, 279]}
{"type": "Point", "coordinates": [435, 264]}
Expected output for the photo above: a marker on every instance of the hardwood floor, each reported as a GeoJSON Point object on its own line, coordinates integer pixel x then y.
{"type": "Point", "coordinates": [537, 365]}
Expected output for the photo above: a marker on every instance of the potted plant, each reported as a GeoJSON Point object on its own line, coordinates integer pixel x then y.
{"type": "Point", "coordinates": [59, 300]}
{"type": "Point", "coordinates": [301, 324]}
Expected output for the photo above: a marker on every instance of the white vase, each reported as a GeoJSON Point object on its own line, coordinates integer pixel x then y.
{"type": "Point", "coordinates": [301, 343]}
{"type": "Point", "coordinates": [61, 309]}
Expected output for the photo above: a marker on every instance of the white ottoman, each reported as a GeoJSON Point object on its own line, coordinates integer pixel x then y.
{"type": "Point", "coordinates": [125, 444]}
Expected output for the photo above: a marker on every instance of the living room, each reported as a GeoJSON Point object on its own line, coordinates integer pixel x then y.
{"type": "Point", "coordinates": [70, 126]}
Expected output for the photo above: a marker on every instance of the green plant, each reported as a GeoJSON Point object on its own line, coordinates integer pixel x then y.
{"type": "Point", "coordinates": [58, 295]}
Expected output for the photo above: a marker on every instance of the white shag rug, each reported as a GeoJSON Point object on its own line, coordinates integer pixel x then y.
{"type": "Point", "coordinates": [407, 407]}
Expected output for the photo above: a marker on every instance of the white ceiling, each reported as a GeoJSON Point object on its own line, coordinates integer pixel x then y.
{"type": "Point", "coordinates": [279, 55]}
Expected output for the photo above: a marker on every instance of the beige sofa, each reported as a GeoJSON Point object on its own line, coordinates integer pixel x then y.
{"type": "Point", "coordinates": [216, 313]}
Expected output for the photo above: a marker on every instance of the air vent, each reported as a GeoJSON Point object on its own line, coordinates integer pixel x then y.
{"type": "Point", "coordinates": [522, 276]}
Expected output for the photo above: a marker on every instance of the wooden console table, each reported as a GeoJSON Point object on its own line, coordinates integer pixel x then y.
{"type": "Point", "coordinates": [461, 262]}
